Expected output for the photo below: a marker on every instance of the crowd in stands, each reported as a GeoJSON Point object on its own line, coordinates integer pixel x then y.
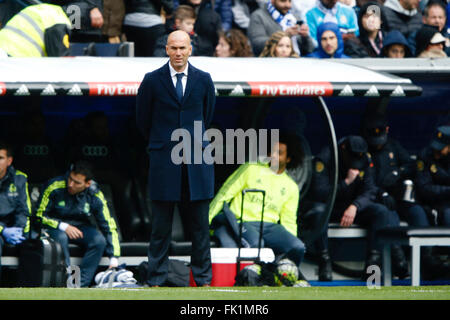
{"type": "Point", "coordinates": [353, 28]}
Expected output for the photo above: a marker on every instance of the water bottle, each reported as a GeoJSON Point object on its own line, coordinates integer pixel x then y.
{"type": "Point", "coordinates": [408, 195]}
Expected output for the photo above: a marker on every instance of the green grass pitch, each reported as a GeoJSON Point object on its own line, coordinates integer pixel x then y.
{"type": "Point", "coordinates": [233, 293]}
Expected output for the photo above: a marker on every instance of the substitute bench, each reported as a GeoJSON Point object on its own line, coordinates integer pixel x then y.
{"type": "Point", "coordinates": [415, 238]}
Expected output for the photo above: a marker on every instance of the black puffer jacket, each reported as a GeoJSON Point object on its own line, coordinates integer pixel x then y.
{"type": "Point", "coordinates": [207, 27]}
{"type": "Point", "coordinates": [149, 6]}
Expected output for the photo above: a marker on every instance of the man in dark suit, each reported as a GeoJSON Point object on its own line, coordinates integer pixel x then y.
{"type": "Point", "coordinates": [173, 98]}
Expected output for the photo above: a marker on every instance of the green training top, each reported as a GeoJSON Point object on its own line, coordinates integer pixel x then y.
{"type": "Point", "coordinates": [282, 196]}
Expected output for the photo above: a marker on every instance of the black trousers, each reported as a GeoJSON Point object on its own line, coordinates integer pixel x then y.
{"type": "Point", "coordinates": [375, 217]}
{"type": "Point", "coordinates": [144, 38]}
{"type": "Point", "coordinates": [196, 212]}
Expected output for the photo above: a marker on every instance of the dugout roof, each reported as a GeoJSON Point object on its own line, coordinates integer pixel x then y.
{"type": "Point", "coordinates": [258, 77]}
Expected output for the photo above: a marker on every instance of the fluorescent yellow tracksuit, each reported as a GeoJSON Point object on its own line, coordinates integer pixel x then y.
{"type": "Point", "coordinates": [282, 196]}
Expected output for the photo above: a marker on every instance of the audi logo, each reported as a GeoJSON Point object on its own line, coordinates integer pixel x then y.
{"type": "Point", "coordinates": [35, 150]}
{"type": "Point", "coordinates": [95, 151]}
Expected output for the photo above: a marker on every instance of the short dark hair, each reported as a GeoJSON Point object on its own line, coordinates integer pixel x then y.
{"type": "Point", "coordinates": [434, 3]}
{"type": "Point", "coordinates": [294, 148]}
{"type": "Point", "coordinates": [83, 167]}
{"type": "Point", "coordinates": [6, 146]}
{"type": "Point", "coordinates": [184, 12]}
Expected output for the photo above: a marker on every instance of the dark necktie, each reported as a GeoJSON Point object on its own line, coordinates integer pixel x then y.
{"type": "Point", "coordinates": [179, 86]}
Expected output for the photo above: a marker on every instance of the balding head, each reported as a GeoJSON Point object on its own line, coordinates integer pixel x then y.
{"type": "Point", "coordinates": [178, 48]}
{"type": "Point", "coordinates": [178, 35]}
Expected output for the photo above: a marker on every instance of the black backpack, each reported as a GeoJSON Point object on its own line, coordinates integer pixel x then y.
{"type": "Point", "coordinates": [179, 273]}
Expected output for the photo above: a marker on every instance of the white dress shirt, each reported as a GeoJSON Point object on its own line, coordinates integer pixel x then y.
{"type": "Point", "coordinates": [173, 75]}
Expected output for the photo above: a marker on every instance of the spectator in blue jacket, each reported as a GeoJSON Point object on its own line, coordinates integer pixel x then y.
{"type": "Point", "coordinates": [333, 11]}
{"type": "Point", "coordinates": [72, 207]}
{"type": "Point", "coordinates": [395, 46]}
{"type": "Point", "coordinates": [15, 204]}
{"type": "Point", "coordinates": [330, 42]}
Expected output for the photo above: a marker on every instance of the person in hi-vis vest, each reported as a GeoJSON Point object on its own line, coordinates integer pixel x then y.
{"type": "Point", "coordinates": [41, 30]}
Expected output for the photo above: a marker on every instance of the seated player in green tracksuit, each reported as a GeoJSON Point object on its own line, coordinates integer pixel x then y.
{"type": "Point", "coordinates": [15, 205]}
{"type": "Point", "coordinates": [71, 208]}
{"type": "Point", "coordinates": [281, 203]}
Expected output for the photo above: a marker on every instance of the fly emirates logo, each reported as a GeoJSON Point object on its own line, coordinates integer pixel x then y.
{"type": "Point", "coordinates": [291, 88]}
{"type": "Point", "coordinates": [113, 89]}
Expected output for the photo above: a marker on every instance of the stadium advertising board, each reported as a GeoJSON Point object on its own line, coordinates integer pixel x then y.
{"type": "Point", "coordinates": [113, 89]}
{"type": "Point", "coordinates": [237, 77]}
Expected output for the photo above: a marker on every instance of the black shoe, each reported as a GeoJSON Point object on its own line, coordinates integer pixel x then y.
{"type": "Point", "coordinates": [325, 268]}
{"type": "Point", "coordinates": [374, 259]}
{"type": "Point", "coordinates": [400, 267]}
{"type": "Point", "coordinates": [433, 268]}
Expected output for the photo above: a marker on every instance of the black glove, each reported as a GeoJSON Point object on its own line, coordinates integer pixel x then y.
{"type": "Point", "coordinates": [391, 179]}
{"type": "Point", "coordinates": [388, 201]}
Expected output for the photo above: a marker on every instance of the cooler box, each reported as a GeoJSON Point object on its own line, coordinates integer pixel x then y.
{"type": "Point", "coordinates": [224, 264]}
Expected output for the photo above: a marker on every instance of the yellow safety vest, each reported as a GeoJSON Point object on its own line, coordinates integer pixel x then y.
{"type": "Point", "coordinates": [23, 35]}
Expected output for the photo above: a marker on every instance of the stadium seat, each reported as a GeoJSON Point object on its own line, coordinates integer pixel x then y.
{"type": "Point", "coordinates": [37, 161]}
{"type": "Point", "coordinates": [124, 49]}
{"type": "Point", "coordinates": [35, 153]}
{"type": "Point", "coordinates": [348, 247]}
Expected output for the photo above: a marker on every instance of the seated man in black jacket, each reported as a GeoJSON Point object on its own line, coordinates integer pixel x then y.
{"type": "Point", "coordinates": [394, 168]}
{"type": "Point", "coordinates": [433, 176]}
{"type": "Point", "coordinates": [355, 199]}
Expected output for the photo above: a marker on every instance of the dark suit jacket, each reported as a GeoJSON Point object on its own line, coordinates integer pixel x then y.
{"type": "Point", "coordinates": [158, 114]}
